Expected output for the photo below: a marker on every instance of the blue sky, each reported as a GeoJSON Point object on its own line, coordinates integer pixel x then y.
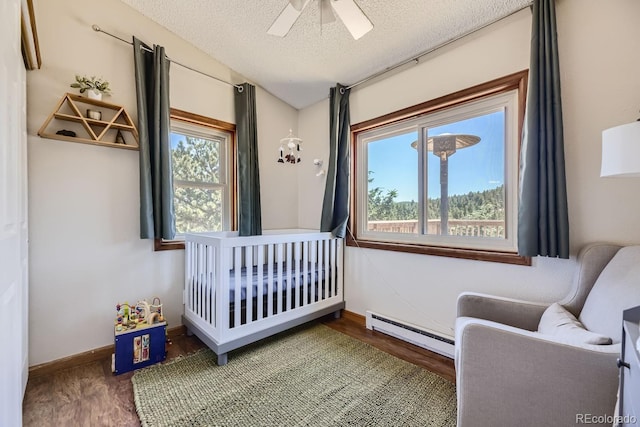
{"type": "Point", "coordinates": [175, 138]}
{"type": "Point", "coordinates": [475, 168]}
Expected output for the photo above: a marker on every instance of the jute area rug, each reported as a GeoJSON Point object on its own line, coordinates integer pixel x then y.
{"type": "Point", "coordinates": [312, 376]}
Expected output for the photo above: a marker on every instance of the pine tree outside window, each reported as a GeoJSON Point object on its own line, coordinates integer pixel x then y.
{"type": "Point", "coordinates": [202, 153]}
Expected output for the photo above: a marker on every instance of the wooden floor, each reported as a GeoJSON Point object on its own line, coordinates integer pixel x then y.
{"type": "Point", "coordinates": [90, 395]}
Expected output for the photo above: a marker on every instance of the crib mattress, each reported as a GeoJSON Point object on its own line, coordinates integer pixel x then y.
{"type": "Point", "coordinates": [314, 275]}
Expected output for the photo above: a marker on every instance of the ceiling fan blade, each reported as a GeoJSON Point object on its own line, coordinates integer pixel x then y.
{"type": "Point", "coordinates": [326, 12]}
{"type": "Point", "coordinates": [287, 18]}
{"type": "Point", "coordinates": [352, 16]}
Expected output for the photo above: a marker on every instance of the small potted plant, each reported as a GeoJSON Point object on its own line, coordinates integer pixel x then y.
{"type": "Point", "coordinates": [95, 87]}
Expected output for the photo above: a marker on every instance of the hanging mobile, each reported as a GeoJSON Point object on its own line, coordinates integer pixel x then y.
{"type": "Point", "coordinates": [293, 144]}
{"type": "Point", "coordinates": [281, 158]}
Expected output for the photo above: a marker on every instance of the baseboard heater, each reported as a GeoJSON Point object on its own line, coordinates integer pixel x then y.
{"type": "Point", "coordinates": [410, 333]}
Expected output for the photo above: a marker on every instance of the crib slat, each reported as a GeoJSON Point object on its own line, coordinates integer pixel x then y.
{"type": "Point", "coordinates": [315, 278]}
{"type": "Point", "coordinates": [223, 278]}
{"type": "Point", "coordinates": [206, 283]}
{"type": "Point", "coordinates": [260, 280]}
{"type": "Point", "coordinates": [330, 265]}
{"type": "Point", "coordinates": [340, 269]}
{"type": "Point", "coordinates": [270, 261]}
{"type": "Point", "coordinates": [322, 273]}
{"type": "Point", "coordinates": [248, 253]}
{"type": "Point", "coordinates": [297, 285]}
{"type": "Point", "coordinates": [203, 283]}
{"type": "Point", "coordinates": [201, 278]}
{"type": "Point", "coordinates": [237, 285]}
{"type": "Point", "coordinates": [211, 295]}
{"type": "Point", "coordinates": [194, 288]}
{"type": "Point", "coordinates": [279, 279]}
{"type": "Point", "coordinates": [194, 295]}
{"type": "Point", "coordinates": [289, 285]}
{"type": "Point", "coordinates": [188, 272]}
{"type": "Point", "coordinates": [327, 270]}
{"type": "Point", "coordinates": [305, 273]}
{"type": "Point", "coordinates": [194, 278]}
{"type": "Point", "coordinates": [332, 280]}
{"type": "Point", "coordinates": [205, 280]}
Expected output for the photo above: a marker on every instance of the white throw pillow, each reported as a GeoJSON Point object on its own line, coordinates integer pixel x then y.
{"type": "Point", "coordinates": [557, 321]}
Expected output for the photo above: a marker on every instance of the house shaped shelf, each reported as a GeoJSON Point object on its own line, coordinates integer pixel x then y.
{"type": "Point", "coordinates": [113, 127]}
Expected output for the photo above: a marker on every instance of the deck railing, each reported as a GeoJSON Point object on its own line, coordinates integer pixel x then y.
{"type": "Point", "coordinates": [457, 227]}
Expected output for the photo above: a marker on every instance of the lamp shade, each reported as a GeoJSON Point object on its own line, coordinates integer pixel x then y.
{"type": "Point", "coordinates": [621, 151]}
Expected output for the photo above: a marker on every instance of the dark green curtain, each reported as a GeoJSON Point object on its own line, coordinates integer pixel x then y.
{"type": "Point", "coordinates": [157, 215]}
{"type": "Point", "coordinates": [543, 220]}
{"type": "Point", "coordinates": [335, 206]}
{"type": "Point", "coordinates": [249, 215]}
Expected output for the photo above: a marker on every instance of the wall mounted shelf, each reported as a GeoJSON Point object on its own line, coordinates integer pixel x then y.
{"type": "Point", "coordinates": [114, 123]}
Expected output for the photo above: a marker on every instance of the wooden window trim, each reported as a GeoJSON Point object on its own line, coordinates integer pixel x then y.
{"type": "Point", "coordinates": [167, 245]}
{"type": "Point", "coordinates": [472, 254]}
{"type": "Point", "coordinates": [197, 119]}
{"type": "Point", "coordinates": [29, 37]}
{"type": "Point", "coordinates": [513, 81]}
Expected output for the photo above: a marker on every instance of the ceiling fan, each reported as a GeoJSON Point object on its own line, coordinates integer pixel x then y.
{"type": "Point", "coordinates": [347, 10]}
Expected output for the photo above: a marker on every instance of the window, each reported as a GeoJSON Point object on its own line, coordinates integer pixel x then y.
{"type": "Point", "coordinates": [202, 153]}
{"type": "Point", "coordinates": [441, 178]}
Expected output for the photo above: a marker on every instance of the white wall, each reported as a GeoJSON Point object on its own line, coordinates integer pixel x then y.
{"type": "Point", "coordinates": [313, 122]}
{"type": "Point", "coordinates": [278, 183]}
{"type": "Point", "coordinates": [600, 66]}
{"type": "Point", "coordinates": [85, 252]}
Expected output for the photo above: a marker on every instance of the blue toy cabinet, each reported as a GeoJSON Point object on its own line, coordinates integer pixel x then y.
{"type": "Point", "coordinates": [138, 347]}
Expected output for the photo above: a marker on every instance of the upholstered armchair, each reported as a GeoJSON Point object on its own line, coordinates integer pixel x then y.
{"type": "Point", "coordinates": [508, 374]}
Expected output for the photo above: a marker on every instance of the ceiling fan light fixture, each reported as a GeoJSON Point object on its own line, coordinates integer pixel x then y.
{"type": "Point", "coordinates": [347, 10]}
{"type": "Point", "coordinates": [326, 12]}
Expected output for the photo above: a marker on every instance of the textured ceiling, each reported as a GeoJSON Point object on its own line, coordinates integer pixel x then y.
{"type": "Point", "coordinates": [301, 67]}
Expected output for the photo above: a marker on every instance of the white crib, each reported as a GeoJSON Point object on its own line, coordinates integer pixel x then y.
{"type": "Point", "coordinates": [242, 289]}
